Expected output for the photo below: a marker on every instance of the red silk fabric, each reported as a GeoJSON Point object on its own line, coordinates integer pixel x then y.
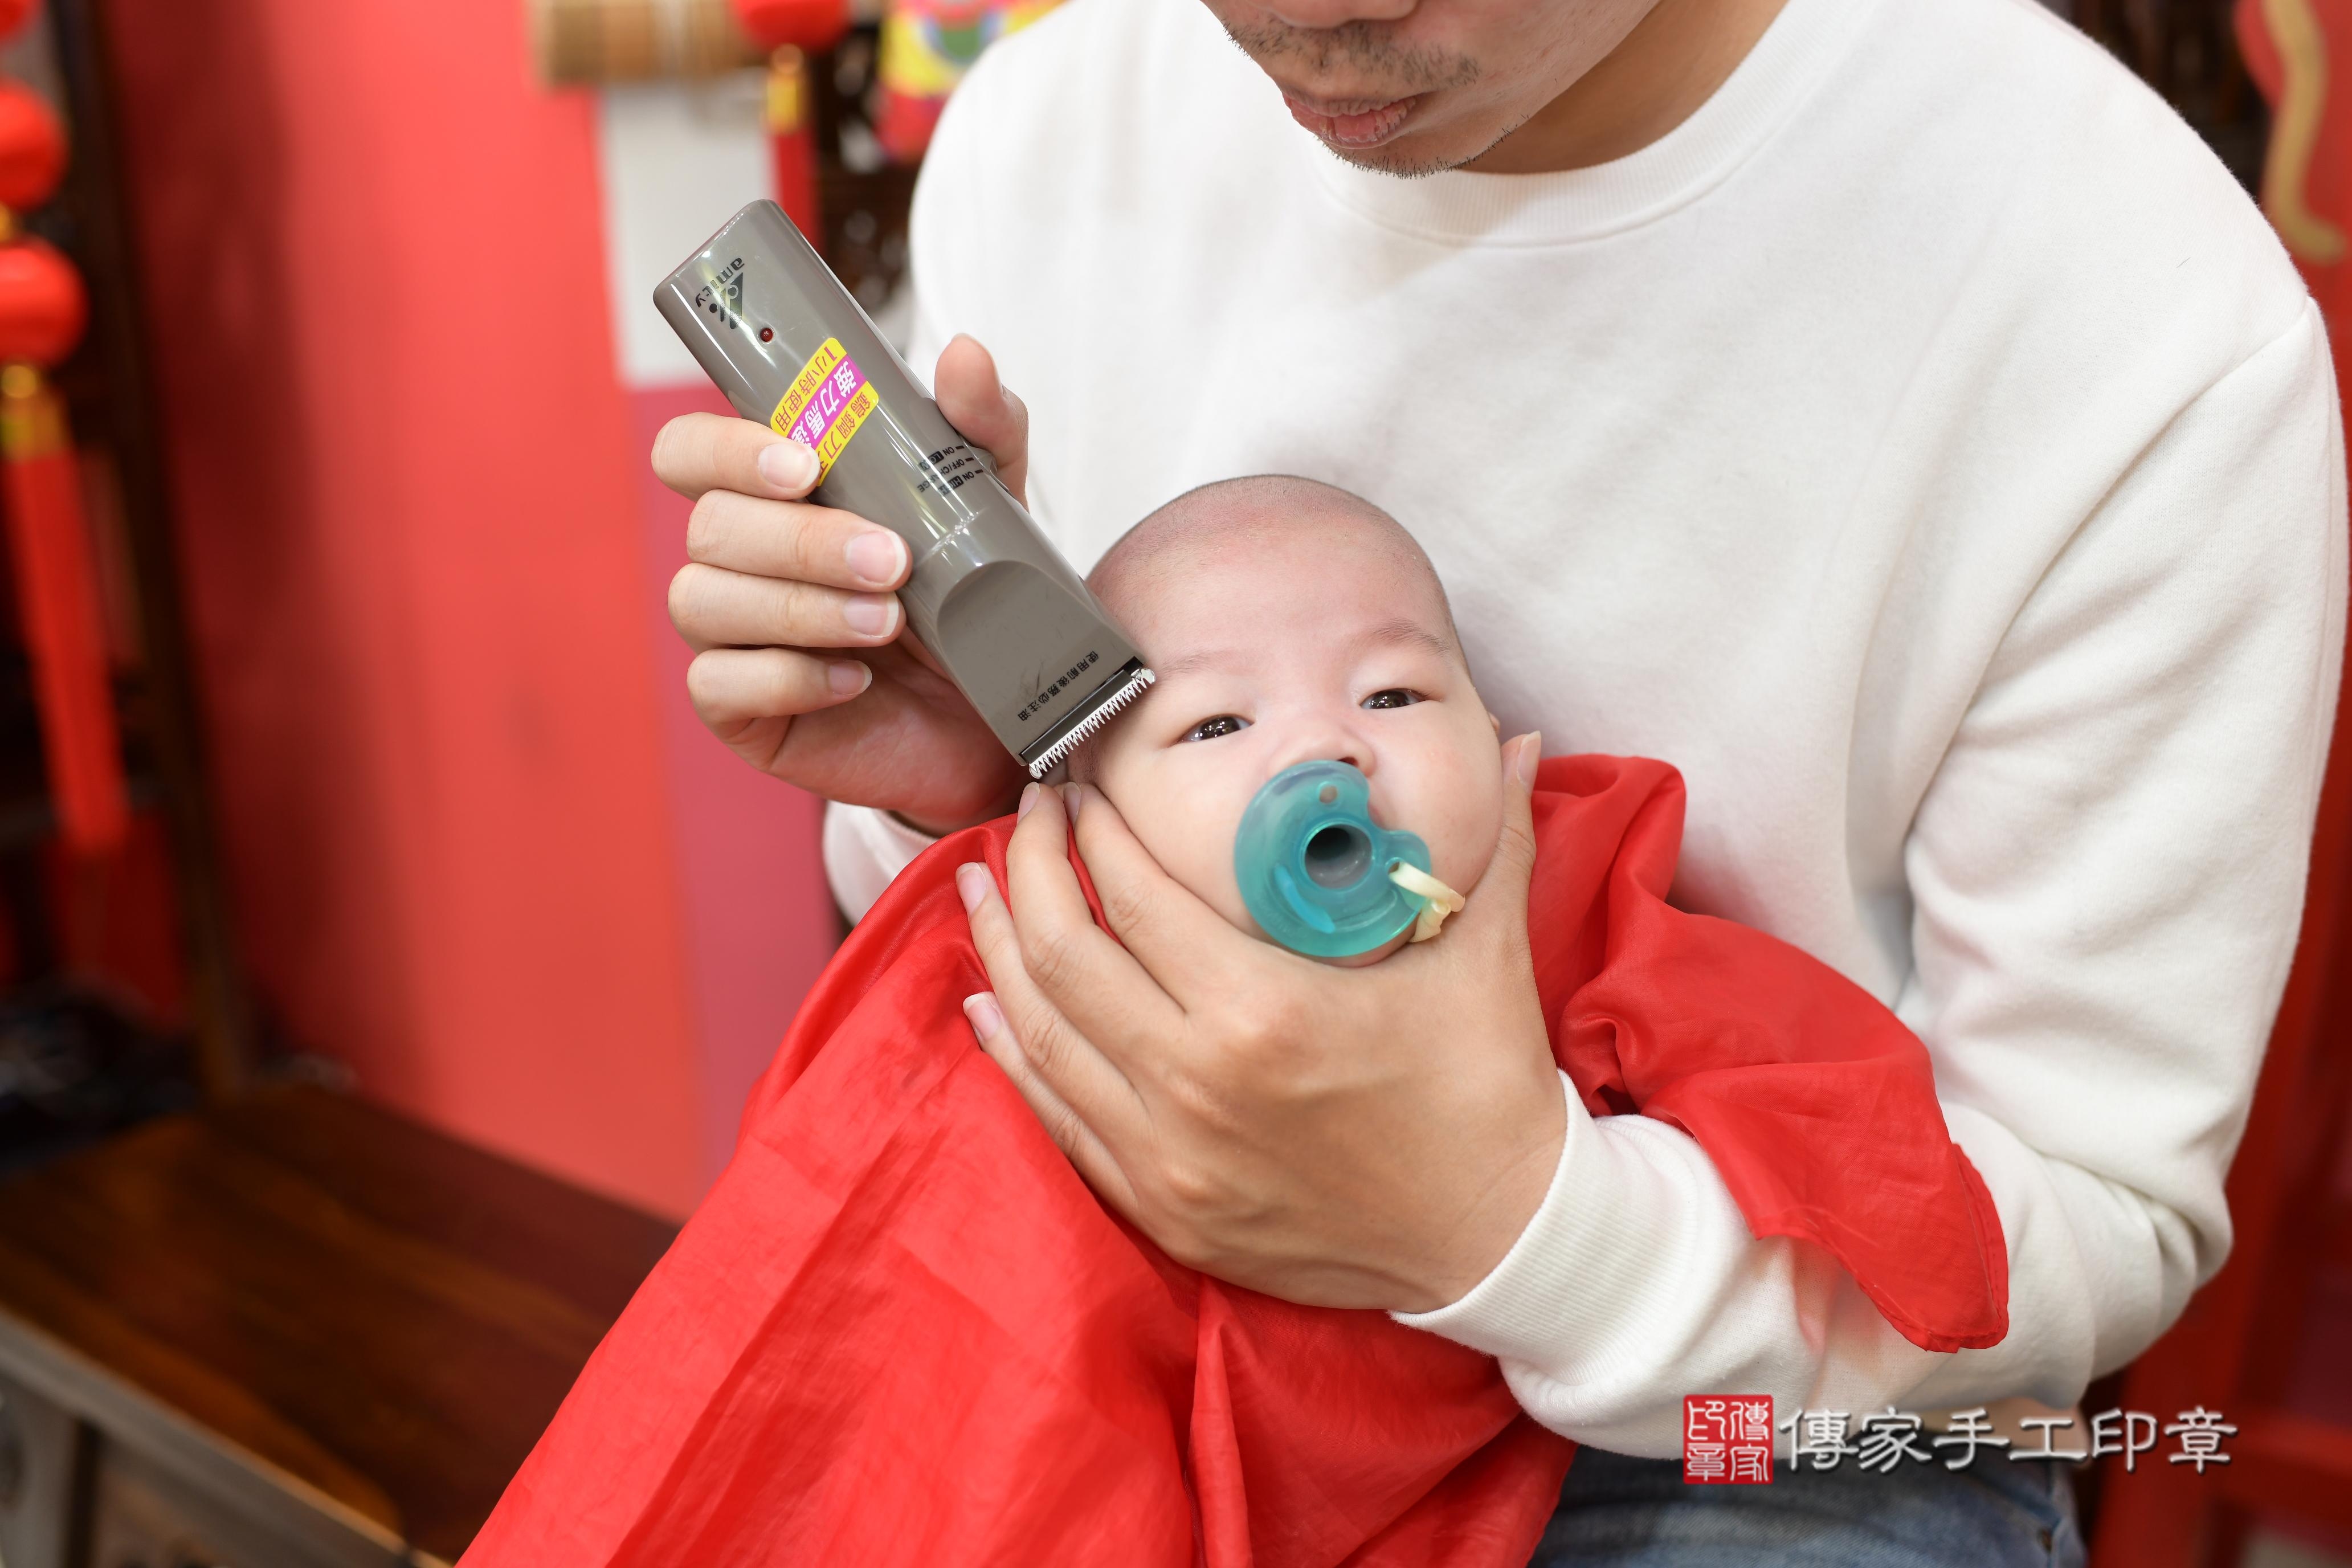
{"type": "Point", "coordinates": [901, 1331]}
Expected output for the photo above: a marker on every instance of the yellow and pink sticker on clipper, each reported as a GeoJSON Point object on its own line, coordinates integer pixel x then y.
{"type": "Point", "coordinates": [827, 403]}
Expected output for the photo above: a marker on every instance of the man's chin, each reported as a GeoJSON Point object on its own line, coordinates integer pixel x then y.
{"type": "Point", "coordinates": [1406, 158]}
{"type": "Point", "coordinates": [1419, 153]}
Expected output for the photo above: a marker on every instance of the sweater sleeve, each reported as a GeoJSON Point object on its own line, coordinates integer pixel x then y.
{"type": "Point", "coordinates": [864, 850]}
{"type": "Point", "coordinates": [2107, 877]}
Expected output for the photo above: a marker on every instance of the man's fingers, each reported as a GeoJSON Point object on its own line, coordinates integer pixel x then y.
{"type": "Point", "coordinates": [794, 540]}
{"type": "Point", "coordinates": [976, 403]}
{"type": "Point", "coordinates": [1062, 1125]}
{"type": "Point", "coordinates": [1085, 1081]}
{"type": "Point", "coordinates": [712, 608]}
{"type": "Point", "coordinates": [732, 687]}
{"type": "Point", "coordinates": [699, 452]}
{"type": "Point", "coordinates": [1185, 945]}
{"type": "Point", "coordinates": [1082, 970]}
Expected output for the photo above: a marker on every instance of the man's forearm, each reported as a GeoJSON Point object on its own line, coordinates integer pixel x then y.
{"type": "Point", "coordinates": [1638, 1283]}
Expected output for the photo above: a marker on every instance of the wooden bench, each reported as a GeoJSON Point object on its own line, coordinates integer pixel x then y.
{"type": "Point", "coordinates": [293, 1331]}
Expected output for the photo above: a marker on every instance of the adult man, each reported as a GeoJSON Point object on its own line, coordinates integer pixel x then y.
{"type": "Point", "coordinates": [1882, 409]}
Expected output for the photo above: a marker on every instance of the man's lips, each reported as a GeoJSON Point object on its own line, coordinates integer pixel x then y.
{"type": "Point", "coordinates": [1354, 123]}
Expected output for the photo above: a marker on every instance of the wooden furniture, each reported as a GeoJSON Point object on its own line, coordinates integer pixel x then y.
{"type": "Point", "coordinates": [287, 1332]}
{"type": "Point", "coordinates": [581, 41]}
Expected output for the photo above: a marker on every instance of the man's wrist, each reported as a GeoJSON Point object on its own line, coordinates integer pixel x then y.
{"type": "Point", "coordinates": [1515, 1306]}
{"type": "Point", "coordinates": [930, 829]}
{"type": "Point", "coordinates": [1519, 1196]}
{"type": "Point", "coordinates": [1513, 1199]}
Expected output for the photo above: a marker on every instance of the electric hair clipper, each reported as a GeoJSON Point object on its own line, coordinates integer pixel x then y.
{"type": "Point", "coordinates": [1015, 626]}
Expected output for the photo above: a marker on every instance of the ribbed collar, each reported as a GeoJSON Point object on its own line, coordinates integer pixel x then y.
{"type": "Point", "coordinates": [1799, 49]}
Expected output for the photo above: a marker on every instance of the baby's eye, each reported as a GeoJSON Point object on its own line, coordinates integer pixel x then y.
{"type": "Point", "coordinates": [1223, 724]}
{"type": "Point", "coordinates": [1394, 696]}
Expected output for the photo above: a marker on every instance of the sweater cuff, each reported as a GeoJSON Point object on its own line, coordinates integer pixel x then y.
{"type": "Point", "coordinates": [1558, 1301]}
{"type": "Point", "coordinates": [864, 850]}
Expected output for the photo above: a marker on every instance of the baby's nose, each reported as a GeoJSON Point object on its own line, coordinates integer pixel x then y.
{"type": "Point", "coordinates": [1331, 744]}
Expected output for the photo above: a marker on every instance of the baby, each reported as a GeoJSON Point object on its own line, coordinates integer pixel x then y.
{"type": "Point", "coordinates": [901, 1331]}
{"type": "Point", "coordinates": [1290, 621]}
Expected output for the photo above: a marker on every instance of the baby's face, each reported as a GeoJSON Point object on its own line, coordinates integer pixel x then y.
{"type": "Point", "coordinates": [1301, 645]}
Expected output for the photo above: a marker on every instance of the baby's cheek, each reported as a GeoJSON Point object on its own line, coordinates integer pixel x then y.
{"type": "Point", "coordinates": [1193, 844]}
{"type": "Point", "coordinates": [1466, 807]}
{"type": "Point", "coordinates": [1215, 884]}
{"type": "Point", "coordinates": [1202, 860]}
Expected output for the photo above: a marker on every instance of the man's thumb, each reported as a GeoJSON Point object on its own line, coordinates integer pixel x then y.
{"type": "Point", "coordinates": [1505, 885]}
{"type": "Point", "coordinates": [978, 404]}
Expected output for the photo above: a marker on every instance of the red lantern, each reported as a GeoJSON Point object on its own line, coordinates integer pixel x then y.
{"type": "Point", "coordinates": [43, 307]}
{"type": "Point", "coordinates": [810, 26]}
{"type": "Point", "coordinates": [32, 148]}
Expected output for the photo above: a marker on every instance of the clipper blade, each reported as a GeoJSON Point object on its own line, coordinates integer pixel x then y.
{"type": "Point", "coordinates": [1098, 710]}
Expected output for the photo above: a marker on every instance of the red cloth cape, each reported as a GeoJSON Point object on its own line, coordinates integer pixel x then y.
{"type": "Point", "coordinates": [900, 1330]}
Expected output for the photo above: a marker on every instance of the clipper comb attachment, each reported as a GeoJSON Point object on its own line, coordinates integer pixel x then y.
{"type": "Point", "coordinates": [1129, 683]}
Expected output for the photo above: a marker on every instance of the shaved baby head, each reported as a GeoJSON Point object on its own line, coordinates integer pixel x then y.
{"type": "Point", "coordinates": [1231, 515]}
{"type": "Point", "coordinates": [1287, 622]}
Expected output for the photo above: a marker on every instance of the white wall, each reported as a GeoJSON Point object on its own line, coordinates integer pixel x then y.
{"type": "Point", "coordinates": [679, 159]}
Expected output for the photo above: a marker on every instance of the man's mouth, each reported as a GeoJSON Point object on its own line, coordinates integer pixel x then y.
{"type": "Point", "coordinates": [1353, 123]}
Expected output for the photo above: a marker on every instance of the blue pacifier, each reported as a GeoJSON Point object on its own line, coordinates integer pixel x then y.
{"type": "Point", "coordinates": [1314, 865]}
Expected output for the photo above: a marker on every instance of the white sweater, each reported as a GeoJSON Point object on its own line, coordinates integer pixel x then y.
{"type": "Point", "coordinates": [1927, 448]}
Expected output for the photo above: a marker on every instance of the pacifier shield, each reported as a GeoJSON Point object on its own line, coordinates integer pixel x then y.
{"type": "Point", "coordinates": [1314, 865]}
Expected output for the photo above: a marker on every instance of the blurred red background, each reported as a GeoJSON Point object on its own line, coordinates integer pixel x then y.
{"type": "Point", "coordinates": [471, 829]}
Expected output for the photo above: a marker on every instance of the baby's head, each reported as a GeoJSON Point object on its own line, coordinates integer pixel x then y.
{"type": "Point", "coordinates": [1288, 622]}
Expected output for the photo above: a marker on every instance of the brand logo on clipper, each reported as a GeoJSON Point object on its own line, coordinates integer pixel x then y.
{"type": "Point", "coordinates": [827, 403]}
{"type": "Point", "coordinates": [724, 297]}
{"type": "Point", "coordinates": [1054, 690]}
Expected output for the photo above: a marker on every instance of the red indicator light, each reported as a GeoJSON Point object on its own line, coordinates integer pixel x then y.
{"type": "Point", "coordinates": [767, 334]}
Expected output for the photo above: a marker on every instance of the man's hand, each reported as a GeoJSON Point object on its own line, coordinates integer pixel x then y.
{"type": "Point", "coordinates": [1374, 1137]}
{"type": "Point", "coordinates": [773, 583]}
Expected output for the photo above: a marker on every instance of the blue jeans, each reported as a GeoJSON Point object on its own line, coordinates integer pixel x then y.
{"type": "Point", "coordinates": [1637, 1513]}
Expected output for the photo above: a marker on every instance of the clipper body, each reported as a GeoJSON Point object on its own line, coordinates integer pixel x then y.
{"type": "Point", "coordinates": [1016, 628]}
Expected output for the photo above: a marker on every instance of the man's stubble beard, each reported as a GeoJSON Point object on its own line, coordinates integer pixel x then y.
{"type": "Point", "coordinates": [1361, 44]}
{"type": "Point", "coordinates": [1402, 167]}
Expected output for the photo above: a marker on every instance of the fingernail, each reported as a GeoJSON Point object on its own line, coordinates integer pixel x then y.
{"type": "Point", "coordinates": [788, 466]}
{"type": "Point", "coordinates": [1071, 795]}
{"type": "Point", "coordinates": [876, 557]}
{"type": "Point", "coordinates": [1028, 799]}
{"type": "Point", "coordinates": [1530, 755]}
{"type": "Point", "coordinates": [846, 679]}
{"type": "Point", "coordinates": [869, 616]}
{"type": "Point", "coordinates": [980, 1009]}
{"type": "Point", "coordinates": [971, 884]}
